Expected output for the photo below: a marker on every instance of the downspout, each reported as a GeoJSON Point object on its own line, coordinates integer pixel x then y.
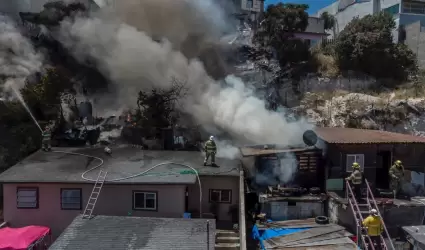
{"type": "Point", "coordinates": [242, 225]}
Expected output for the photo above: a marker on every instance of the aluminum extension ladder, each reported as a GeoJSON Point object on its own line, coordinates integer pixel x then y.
{"type": "Point", "coordinates": [362, 237]}
{"type": "Point", "coordinates": [91, 203]}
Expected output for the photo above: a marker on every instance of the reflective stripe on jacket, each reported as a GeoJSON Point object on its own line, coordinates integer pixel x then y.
{"type": "Point", "coordinates": [46, 136]}
{"type": "Point", "coordinates": [210, 147]}
{"type": "Point", "coordinates": [356, 177]}
{"type": "Point", "coordinates": [374, 225]}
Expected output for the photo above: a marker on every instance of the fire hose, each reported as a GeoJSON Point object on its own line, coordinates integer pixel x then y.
{"type": "Point", "coordinates": [135, 175]}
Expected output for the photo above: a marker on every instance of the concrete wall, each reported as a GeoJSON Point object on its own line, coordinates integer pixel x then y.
{"type": "Point", "coordinates": [415, 40]}
{"type": "Point", "coordinates": [283, 210]}
{"type": "Point", "coordinates": [214, 182]}
{"type": "Point", "coordinates": [113, 200]}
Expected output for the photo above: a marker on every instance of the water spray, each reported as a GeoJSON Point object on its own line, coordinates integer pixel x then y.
{"type": "Point", "coordinates": [19, 96]}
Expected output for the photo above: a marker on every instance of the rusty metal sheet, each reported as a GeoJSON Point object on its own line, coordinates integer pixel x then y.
{"type": "Point", "coordinates": [364, 136]}
{"type": "Point", "coordinates": [322, 238]}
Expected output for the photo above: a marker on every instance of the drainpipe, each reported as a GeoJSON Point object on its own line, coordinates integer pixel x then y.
{"type": "Point", "coordinates": [208, 235]}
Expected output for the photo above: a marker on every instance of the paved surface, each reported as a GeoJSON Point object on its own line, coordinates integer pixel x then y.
{"type": "Point", "coordinates": [141, 233]}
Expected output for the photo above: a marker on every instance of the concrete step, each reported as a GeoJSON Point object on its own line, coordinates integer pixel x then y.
{"type": "Point", "coordinates": [227, 240]}
{"type": "Point", "coordinates": [227, 246]}
{"type": "Point", "coordinates": [226, 233]}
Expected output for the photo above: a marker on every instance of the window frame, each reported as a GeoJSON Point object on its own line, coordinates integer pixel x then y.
{"type": "Point", "coordinates": [348, 167]}
{"type": "Point", "coordinates": [37, 205]}
{"type": "Point", "coordinates": [144, 192]}
{"type": "Point", "coordinates": [220, 200]}
{"type": "Point", "coordinates": [249, 6]}
{"type": "Point", "coordinates": [73, 189]}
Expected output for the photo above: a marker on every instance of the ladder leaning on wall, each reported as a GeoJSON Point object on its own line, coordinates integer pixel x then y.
{"type": "Point", "coordinates": [91, 203]}
{"type": "Point", "coordinates": [363, 238]}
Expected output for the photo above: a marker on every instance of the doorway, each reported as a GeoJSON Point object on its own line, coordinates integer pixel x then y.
{"type": "Point", "coordinates": [383, 166]}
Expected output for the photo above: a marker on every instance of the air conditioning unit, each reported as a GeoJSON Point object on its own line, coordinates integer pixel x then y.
{"type": "Point", "coordinates": [262, 198]}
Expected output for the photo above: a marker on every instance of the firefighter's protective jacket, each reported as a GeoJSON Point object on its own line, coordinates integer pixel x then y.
{"type": "Point", "coordinates": [356, 177]}
{"type": "Point", "coordinates": [210, 147]}
{"type": "Point", "coordinates": [396, 172]}
{"type": "Point", "coordinates": [374, 225]}
{"type": "Point", "coordinates": [46, 135]}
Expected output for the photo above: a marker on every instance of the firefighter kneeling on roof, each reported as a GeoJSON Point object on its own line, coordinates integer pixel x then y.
{"type": "Point", "coordinates": [374, 226]}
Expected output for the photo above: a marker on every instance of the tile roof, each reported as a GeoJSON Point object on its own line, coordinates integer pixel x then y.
{"type": "Point", "coordinates": [364, 136]}
{"type": "Point", "coordinates": [125, 161]}
{"type": "Point", "coordinates": [141, 233]}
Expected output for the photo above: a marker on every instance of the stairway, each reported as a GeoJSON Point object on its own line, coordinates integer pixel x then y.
{"type": "Point", "coordinates": [227, 240]}
{"type": "Point", "coordinates": [360, 212]}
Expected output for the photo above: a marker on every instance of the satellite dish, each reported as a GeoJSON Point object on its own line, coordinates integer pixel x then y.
{"type": "Point", "coordinates": [310, 138]}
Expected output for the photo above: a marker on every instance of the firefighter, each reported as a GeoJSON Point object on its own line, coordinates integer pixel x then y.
{"type": "Point", "coordinates": [356, 179]}
{"type": "Point", "coordinates": [46, 139]}
{"type": "Point", "coordinates": [396, 177]}
{"type": "Point", "coordinates": [374, 226]}
{"type": "Point", "coordinates": [210, 151]}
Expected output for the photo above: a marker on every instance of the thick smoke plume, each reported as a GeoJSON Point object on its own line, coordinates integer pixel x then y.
{"type": "Point", "coordinates": [18, 58]}
{"type": "Point", "coordinates": [133, 61]}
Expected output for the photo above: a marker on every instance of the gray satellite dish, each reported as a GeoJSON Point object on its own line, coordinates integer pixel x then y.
{"type": "Point", "coordinates": [310, 138]}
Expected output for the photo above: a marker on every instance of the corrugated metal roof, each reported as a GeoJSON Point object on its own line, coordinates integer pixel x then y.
{"type": "Point", "coordinates": [251, 151]}
{"type": "Point", "coordinates": [364, 136]}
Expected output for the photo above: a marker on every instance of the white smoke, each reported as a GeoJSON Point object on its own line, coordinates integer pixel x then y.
{"type": "Point", "coordinates": [18, 58]}
{"type": "Point", "coordinates": [283, 173]}
{"type": "Point", "coordinates": [133, 61]}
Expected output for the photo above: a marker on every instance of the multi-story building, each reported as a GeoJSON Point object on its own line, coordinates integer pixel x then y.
{"type": "Point", "coordinates": [405, 12]}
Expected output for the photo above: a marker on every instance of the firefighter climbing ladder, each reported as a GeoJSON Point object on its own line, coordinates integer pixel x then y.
{"type": "Point", "coordinates": [362, 237]}
{"type": "Point", "coordinates": [91, 203]}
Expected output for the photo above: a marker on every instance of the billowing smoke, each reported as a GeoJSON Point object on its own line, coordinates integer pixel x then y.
{"type": "Point", "coordinates": [18, 58]}
{"type": "Point", "coordinates": [281, 174]}
{"type": "Point", "coordinates": [133, 61]}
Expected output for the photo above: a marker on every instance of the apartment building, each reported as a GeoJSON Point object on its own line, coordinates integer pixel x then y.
{"type": "Point", "coordinates": [405, 12]}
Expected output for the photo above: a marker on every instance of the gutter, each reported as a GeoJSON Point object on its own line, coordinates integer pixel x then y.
{"type": "Point", "coordinates": [242, 221]}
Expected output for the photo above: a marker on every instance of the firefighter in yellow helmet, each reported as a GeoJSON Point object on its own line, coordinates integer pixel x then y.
{"type": "Point", "coordinates": [210, 151]}
{"type": "Point", "coordinates": [396, 174]}
{"type": "Point", "coordinates": [356, 180]}
{"type": "Point", "coordinates": [374, 226]}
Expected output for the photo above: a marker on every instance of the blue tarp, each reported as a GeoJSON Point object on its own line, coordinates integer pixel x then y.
{"type": "Point", "coordinates": [266, 234]}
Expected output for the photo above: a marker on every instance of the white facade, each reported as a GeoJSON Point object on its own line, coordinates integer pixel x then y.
{"type": "Point", "coordinates": [360, 9]}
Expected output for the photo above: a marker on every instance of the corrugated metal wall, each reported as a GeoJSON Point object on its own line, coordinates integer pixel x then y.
{"type": "Point", "coordinates": [283, 210]}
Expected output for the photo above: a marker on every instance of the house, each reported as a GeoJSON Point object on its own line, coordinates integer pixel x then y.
{"type": "Point", "coordinates": [298, 170]}
{"type": "Point", "coordinates": [51, 188]}
{"type": "Point", "coordinates": [375, 151]}
{"type": "Point", "coordinates": [128, 232]}
{"type": "Point", "coordinates": [315, 31]}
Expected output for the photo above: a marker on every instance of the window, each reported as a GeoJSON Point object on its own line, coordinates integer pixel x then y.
{"type": "Point", "coordinates": [27, 198]}
{"type": "Point", "coordinates": [71, 199]}
{"type": "Point", "coordinates": [220, 196]}
{"type": "Point", "coordinates": [393, 10]}
{"type": "Point", "coordinates": [249, 4]}
{"type": "Point", "coordinates": [143, 200]}
{"type": "Point", "coordinates": [351, 158]}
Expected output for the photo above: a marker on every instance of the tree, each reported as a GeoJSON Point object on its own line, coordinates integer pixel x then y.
{"type": "Point", "coordinates": [156, 108]}
{"type": "Point", "coordinates": [329, 20]}
{"type": "Point", "coordinates": [366, 45]}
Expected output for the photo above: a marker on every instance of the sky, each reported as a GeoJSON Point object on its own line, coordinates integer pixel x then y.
{"type": "Point", "coordinates": [315, 5]}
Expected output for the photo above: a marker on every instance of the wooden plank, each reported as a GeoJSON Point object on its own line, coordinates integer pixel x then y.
{"type": "Point", "coordinates": [329, 236]}
{"type": "Point", "coordinates": [309, 233]}
{"type": "Point", "coordinates": [326, 242]}
{"type": "Point", "coordinates": [346, 246]}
